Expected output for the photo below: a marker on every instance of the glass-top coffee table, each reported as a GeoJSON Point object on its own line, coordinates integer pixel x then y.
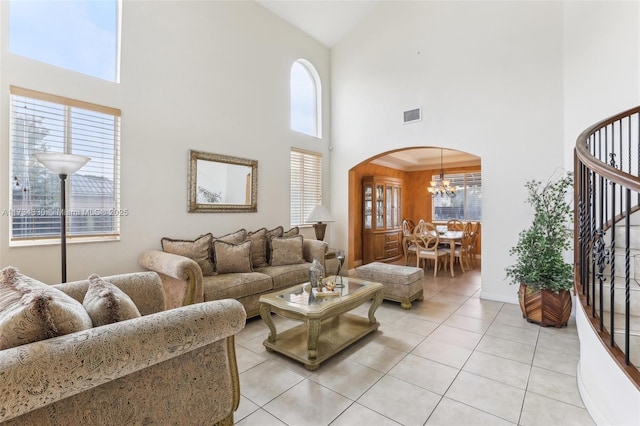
{"type": "Point", "coordinates": [328, 328]}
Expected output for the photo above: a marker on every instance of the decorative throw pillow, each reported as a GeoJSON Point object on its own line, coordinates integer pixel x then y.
{"type": "Point", "coordinates": [233, 257]}
{"type": "Point", "coordinates": [232, 238]}
{"type": "Point", "coordinates": [286, 250]}
{"type": "Point", "coordinates": [32, 311]}
{"type": "Point", "coordinates": [291, 232]}
{"type": "Point", "coordinates": [107, 304]}
{"type": "Point", "coordinates": [275, 232]}
{"type": "Point", "coordinates": [199, 250]}
{"type": "Point", "coordinates": [258, 247]}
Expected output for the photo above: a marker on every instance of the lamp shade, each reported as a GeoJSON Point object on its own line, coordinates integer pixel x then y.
{"type": "Point", "coordinates": [60, 163]}
{"type": "Point", "coordinates": [320, 214]}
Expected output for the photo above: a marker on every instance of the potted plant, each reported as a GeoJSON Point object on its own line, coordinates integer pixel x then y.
{"type": "Point", "coordinates": [545, 278]}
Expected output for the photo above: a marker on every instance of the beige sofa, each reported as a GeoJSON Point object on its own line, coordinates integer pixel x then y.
{"type": "Point", "coordinates": [165, 367]}
{"type": "Point", "coordinates": [185, 282]}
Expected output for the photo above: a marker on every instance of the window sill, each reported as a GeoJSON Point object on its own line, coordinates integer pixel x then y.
{"type": "Point", "coordinates": [56, 241]}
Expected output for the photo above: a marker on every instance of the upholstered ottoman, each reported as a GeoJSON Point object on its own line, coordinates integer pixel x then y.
{"type": "Point", "coordinates": [401, 283]}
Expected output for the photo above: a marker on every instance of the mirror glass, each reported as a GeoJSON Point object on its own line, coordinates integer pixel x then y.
{"type": "Point", "coordinates": [221, 183]}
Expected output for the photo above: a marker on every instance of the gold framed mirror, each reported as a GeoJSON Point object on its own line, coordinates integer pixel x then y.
{"type": "Point", "coordinates": [222, 183]}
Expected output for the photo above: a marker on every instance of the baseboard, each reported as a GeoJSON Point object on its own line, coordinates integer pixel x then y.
{"type": "Point", "coordinates": [498, 297]}
{"type": "Point", "coordinates": [589, 405]}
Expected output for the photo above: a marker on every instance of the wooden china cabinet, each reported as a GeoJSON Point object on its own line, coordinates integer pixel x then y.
{"type": "Point", "coordinates": [382, 223]}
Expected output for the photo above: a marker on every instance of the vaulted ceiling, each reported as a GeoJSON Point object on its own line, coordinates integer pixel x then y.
{"type": "Point", "coordinates": [329, 21]}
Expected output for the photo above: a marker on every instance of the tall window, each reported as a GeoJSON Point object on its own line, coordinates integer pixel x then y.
{"type": "Point", "coordinates": [47, 123]}
{"type": "Point", "coordinates": [306, 105]}
{"type": "Point", "coordinates": [306, 184]}
{"type": "Point", "coordinates": [466, 205]}
{"type": "Point", "coordinates": [79, 35]}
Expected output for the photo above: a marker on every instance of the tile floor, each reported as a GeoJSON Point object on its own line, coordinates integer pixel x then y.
{"type": "Point", "coordinates": [452, 359]}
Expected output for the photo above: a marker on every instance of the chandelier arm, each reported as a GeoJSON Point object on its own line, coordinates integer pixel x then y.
{"type": "Point", "coordinates": [442, 188]}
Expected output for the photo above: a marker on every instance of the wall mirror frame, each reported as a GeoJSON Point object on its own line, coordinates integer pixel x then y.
{"type": "Point", "coordinates": [222, 183]}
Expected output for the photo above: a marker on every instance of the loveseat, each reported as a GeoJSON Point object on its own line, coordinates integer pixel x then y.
{"type": "Point", "coordinates": [163, 367]}
{"type": "Point", "coordinates": [241, 265]}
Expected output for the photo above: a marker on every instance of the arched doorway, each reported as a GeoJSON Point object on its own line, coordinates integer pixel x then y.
{"type": "Point", "coordinates": [416, 168]}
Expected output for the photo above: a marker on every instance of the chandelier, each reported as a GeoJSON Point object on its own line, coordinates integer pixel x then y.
{"type": "Point", "coordinates": [441, 188]}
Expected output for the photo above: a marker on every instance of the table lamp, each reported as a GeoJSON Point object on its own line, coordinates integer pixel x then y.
{"type": "Point", "coordinates": [319, 214]}
{"type": "Point", "coordinates": [63, 165]}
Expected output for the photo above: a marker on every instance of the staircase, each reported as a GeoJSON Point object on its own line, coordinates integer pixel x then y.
{"type": "Point", "coordinates": [619, 289]}
{"type": "Point", "coordinates": [606, 255]}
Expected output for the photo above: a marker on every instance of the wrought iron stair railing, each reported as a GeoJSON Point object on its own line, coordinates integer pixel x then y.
{"type": "Point", "coordinates": [607, 252]}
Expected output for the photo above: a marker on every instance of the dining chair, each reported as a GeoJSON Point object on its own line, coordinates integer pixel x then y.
{"type": "Point", "coordinates": [464, 252]}
{"type": "Point", "coordinates": [410, 222]}
{"type": "Point", "coordinates": [456, 225]}
{"type": "Point", "coordinates": [474, 226]}
{"type": "Point", "coordinates": [475, 231]}
{"type": "Point", "coordinates": [407, 231]}
{"type": "Point", "coordinates": [425, 246]}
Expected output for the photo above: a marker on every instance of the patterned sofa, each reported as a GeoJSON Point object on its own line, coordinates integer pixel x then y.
{"type": "Point", "coordinates": [164, 367]}
{"type": "Point", "coordinates": [241, 265]}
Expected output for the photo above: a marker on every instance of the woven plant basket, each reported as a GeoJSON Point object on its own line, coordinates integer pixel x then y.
{"type": "Point", "coordinates": [545, 307]}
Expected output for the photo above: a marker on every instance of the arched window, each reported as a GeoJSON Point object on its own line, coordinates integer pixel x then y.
{"type": "Point", "coordinates": [306, 99]}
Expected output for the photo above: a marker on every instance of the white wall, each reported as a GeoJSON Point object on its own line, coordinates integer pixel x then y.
{"type": "Point", "coordinates": [488, 76]}
{"type": "Point", "coordinates": [601, 64]}
{"type": "Point", "coordinates": [210, 76]}
{"type": "Point", "coordinates": [601, 78]}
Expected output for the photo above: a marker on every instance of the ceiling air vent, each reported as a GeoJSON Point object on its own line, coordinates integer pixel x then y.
{"type": "Point", "coordinates": [412, 115]}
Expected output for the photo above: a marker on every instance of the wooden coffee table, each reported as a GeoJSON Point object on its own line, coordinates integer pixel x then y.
{"type": "Point", "coordinates": [328, 328]}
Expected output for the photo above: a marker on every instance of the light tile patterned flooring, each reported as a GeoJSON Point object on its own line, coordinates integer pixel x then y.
{"type": "Point", "coordinates": [452, 359]}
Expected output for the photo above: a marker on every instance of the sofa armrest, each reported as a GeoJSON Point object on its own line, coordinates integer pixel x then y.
{"type": "Point", "coordinates": [181, 276]}
{"type": "Point", "coordinates": [314, 249]}
{"type": "Point", "coordinates": [45, 372]}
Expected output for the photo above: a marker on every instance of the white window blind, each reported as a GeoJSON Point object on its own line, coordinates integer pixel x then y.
{"type": "Point", "coordinates": [46, 123]}
{"type": "Point", "coordinates": [466, 205]}
{"type": "Point", "coordinates": [306, 184]}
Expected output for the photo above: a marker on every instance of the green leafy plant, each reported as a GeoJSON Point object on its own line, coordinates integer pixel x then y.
{"type": "Point", "coordinates": [210, 196]}
{"type": "Point", "coordinates": [540, 247]}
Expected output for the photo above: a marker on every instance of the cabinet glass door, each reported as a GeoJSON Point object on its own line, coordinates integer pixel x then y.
{"type": "Point", "coordinates": [389, 209]}
{"type": "Point", "coordinates": [396, 207]}
{"type": "Point", "coordinates": [368, 206]}
{"type": "Point", "coordinates": [379, 206]}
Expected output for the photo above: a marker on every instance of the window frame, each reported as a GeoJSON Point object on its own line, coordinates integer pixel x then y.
{"type": "Point", "coordinates": [305, 184]}
{"type": "Point", "coordinates": [459, 192]}
{"type": "Point", "coordinates": [71, 110]}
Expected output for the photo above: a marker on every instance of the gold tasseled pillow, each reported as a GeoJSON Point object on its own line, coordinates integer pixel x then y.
{"type": "Point", "coordinates": [31, 311]}
{"type": "Point", "coordinates": [107, 304]}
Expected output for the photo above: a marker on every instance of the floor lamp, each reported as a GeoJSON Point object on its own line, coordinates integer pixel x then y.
{"type": "Point", "coordinates": [319, 214]}
{"type": "Point", "coordinates": [63, 165]}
